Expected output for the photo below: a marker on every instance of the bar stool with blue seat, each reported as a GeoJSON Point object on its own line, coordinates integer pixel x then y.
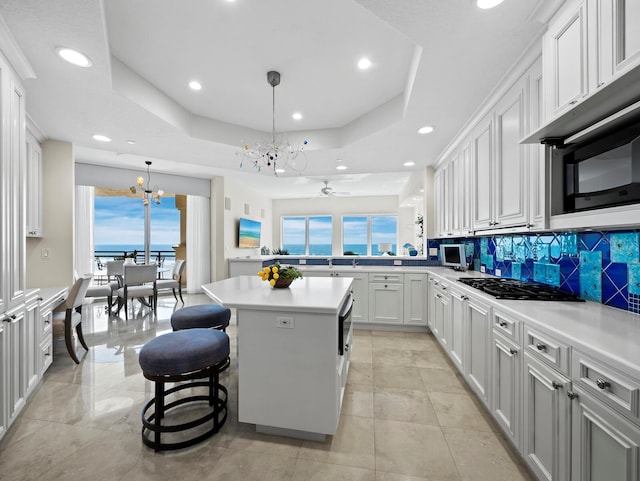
{"type": "Point", "coordinates": [207, 316]}
{"type": "Point", "coordinates": [177, 357]}
{"type": "Point", "coordinates": [210, 316]}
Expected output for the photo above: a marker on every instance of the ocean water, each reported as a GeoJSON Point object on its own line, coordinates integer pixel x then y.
{"type": "Point", "coordinates": [325, 249]}
{"type": "Point", "coordinates": [131, 247]}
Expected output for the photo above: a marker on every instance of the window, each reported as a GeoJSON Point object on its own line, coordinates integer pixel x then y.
{"type": "Point", "coordinates": [307, 235]}
{"type": "Point", "coordinates": [367, 234]}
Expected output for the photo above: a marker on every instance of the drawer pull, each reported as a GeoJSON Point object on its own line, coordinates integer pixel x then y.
{"type": "Point", "coordinates": [513, 352]}
{"type": "Point", "coordinates": [556, 384]}
{"type": "Point", "coordinates": [571, 395]}
{"type": "Point", "coordinates": [602, 384]}
{"type": "Point", "coordinates": [502, 324]}
{"type": "Point", "coordinates": [541, 347]}
{"type": "Point", "coordinates": [436, 283]}
{"type": "Point", "coordinates": [40, 299]}
{"type": "Point", "coordinates": [444, 288]}
{"type": "Point", "coordinates": [346, 347]}
{"type": "Point", "coordinates": [438, 296]}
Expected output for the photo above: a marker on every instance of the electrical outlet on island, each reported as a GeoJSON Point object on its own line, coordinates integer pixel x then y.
{"type": "Point", "coordinates": [483, 269]}
{"type": "Point", "coordinates": [498, 273]}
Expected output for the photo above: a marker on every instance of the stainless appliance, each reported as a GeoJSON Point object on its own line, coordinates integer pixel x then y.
{"type": "Point", "coordinates": [595, 171]}
{"type": "Point", "coordinates": [513, 289]}
{"type": "Point", "coordinates": [344, 325]}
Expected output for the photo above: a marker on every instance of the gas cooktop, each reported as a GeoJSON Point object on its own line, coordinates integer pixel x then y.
{"type": "Point", "coordinates": [513, 289]}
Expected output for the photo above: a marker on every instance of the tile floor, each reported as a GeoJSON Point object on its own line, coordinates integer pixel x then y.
{"type": "Point", "coordinates": [406, 416]}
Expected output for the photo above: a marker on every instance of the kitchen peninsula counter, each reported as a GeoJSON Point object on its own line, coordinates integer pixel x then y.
{"type": "Point", "coordinates": [291, 375]}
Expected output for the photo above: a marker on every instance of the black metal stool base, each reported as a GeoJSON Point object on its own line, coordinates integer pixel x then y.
{"type": "Point", "coordinates": [152, 427]}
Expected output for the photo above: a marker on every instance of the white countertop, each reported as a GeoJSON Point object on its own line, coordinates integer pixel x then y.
{"type": "Point", "coordinates": [313, 294]}
{"type": "Point", "coordinates": [609, 333]}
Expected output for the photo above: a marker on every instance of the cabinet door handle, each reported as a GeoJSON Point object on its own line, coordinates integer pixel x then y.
{"type": "Point", "coordinates": [47, 322]}
{"type": "Point", "coordinates": [556, 384]}
{"type": "Point", "coordinates": [541, 347]}
{"type": "Point", "coordinates": [502, 324]}
{"type": "Point", "coordinates": [600, 84]}
{"type": "Point", "coordinates": [444, 288]}
{"type": "Point", "coordinates": [602, 384]}
{"type": "Point", "coordinates": [385, 286]}
{"type": "Point", "coordinates": [571, 395]}
{"type": "Point", "coordinates": [513, 351]}
{"type": "Point", "coordinates": [573, 102]}
{"type": "Point", "coordinates": [346, 347]}
{"type": "Point", "coordinates": [438, 296]}
{"type": "Point", "coordinates": [6, 319]}
{"type": "Point", "coordinates": [435, 282]}
{"type": "Point", "coordinates": [465, 298]}
{"type": "Point", "coordinates": [40, 299]}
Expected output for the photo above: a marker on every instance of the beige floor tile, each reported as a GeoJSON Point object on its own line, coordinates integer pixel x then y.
{"type": "Point", "coordinates": [254, 442]}
{"type": "Point", "coordinates": [109, 456]}
{"type": "Point", "coordinates": [191, 464]}
{"type": "Point", "coordinates": [458, 411]}
{"type": "Point", "coordinates": [35, 454]}
{"type": "Point", "coordinates": [382, 476]}
{"type": "Point", "coordinates": [360, 373]}
{"type": "Point", "coordinates": [429, 359]}
{"type": "Point", "coordinates": [424, 342]}
{"type": "Point", "coordinates": [414, 450]}
{"type": "Point", "coordinates": [358, 400]}
{"type": "Point", "coordinates": [352, 445]}
{"type": "Point", "coordinates": [306, 470]}
{"type": "Point", "coordinates": [399, 377]}
{"type": "Point", "coordinates": [362, 352]}
{"type": "Point", "coordinates": [403, 405]}
{"type": "Point", "coordinates": [240, 465]}
{"type": "Point", "coordinates": [480, 456]}
{"type": "Point", "coordinates": [441, 380]}
{"type": "Point", "coordinates": [385, 341]}
{"type": "Point", "coordinates": [388, 356]}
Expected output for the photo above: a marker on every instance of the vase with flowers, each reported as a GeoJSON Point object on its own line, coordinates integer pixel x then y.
{"type": "Point", "coordinates": [279, 276]}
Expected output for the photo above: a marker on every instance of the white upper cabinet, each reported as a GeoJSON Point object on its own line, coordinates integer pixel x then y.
{"type": "Point", "coordinates": [34, 188]}
{"type": "Point", "coordinates": [511, 176]}
{"type": "Point", "coordinates": [588, 45]}
{"type": "Point", "coordinates": [482, 201]}
{"type": "Point", "coordinates": [565, 58]}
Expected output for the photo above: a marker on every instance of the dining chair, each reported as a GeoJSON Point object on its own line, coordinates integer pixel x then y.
{"type": "Point", "coordinates": [68, 315]}
{"type": "Point", "coordinates": [108, 290]}
{"type": "Point", "coordinates": [139, 281]}
{"type": "Point", "coordinates": [176, 279]}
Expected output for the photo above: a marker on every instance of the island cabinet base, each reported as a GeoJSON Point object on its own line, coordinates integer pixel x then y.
{"type": "Point", "coordinates": [290, 375]}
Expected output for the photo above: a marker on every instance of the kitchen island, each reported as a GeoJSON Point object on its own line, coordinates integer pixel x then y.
{"type": "Point", "coordinates": [293, 352]}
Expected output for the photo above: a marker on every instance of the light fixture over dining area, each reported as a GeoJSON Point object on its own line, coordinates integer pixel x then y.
{"type": "Point", "coordinates": [149, 194]}
{"type": "Point", "coordinates": [275, 154]}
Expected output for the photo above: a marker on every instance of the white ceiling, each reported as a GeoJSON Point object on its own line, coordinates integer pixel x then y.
{"type": "Point", "coordinates": [434, 61]}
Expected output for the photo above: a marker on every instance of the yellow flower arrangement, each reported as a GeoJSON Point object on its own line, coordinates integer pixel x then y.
{"type": "Point", "coordinates": [277, 275]}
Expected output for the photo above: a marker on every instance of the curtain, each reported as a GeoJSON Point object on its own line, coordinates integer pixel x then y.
{"type": "Point", "coordinates": [83, 249]}
{"type": "Point", "coordinates": [198, 243]}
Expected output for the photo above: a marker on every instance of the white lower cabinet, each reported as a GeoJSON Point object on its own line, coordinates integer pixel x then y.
{"type": "Point", "coordinates": [439, 310]}
{"type": "Point", "coordinates": [386, 298]}
{"type": "Point", "coordinates": [477, 352]}
{"type": "Point", "coordinates": [4, 423]}
{"type": "Point", "coordinates": [32, 343]}
{"type": "Point", "coordinates": [16, 354]}
{"type": "Point", "coordinates": [506, 401]}
{"type": "Point", "coordinates": [457, 312]}
{"type": "Point", "coordinates": [547, 420]}
{"type": "Point", "coordinates": [605, 446]}
{"type": "Point", "coordinates": [415, 300]}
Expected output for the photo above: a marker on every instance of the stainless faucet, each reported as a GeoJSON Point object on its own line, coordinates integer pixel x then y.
{"type": "Point", "coordinates": [354, 263]}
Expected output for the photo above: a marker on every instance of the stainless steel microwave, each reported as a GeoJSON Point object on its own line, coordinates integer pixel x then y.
{"type": "Point", "coordinates": [598, 173]}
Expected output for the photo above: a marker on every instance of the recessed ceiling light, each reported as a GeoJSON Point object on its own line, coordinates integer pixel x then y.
{"type": "Point", "coordinates": [485, 4]}
{"type": "Point", "coordinates": [74, 57]}
{"type": "Point", "coordinates": [409, 163]}
{"type": "Point", "coordinates": [195, 85]}
{"type": "Point", "coordinates": [364, 63]}
{"type": "Point", "coordinates": [101, 138]}
{"type": "Point", "coordinates": [230, 1]}
{"type": "Point", "coordinates": [278, 171]}
{"type": "Point", "coordinates": [297, 116]}
{"type": "Point", "coordinates": [131, 142]}
{"type": "Point", "coordinates": [341, 167]}
{"type": "Point", "coordinates": [427, 129]}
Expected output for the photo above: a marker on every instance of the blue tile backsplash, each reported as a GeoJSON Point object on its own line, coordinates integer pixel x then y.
{"type": "Point", "coordinates": [598, 266]}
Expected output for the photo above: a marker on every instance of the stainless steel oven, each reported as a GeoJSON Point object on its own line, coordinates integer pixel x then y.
{"type": "Point", "coordinates": [344, 325]}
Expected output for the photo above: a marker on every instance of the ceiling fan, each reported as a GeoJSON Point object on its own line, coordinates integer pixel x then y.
{"type": "Point", "coordinates": [327, 191]}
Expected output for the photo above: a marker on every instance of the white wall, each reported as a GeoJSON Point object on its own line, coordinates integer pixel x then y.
{"type": "Point", "coordinates": [58, 209]}
{"type": "Point", "coordinates": [334, 206]}
{"type": "Point", "coordinates": [229, 201]}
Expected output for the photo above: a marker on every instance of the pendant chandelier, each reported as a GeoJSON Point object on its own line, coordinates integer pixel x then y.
{"type": "Point", "coordinates": [276, 154]}
{"type": "Point", "coordinates": [149, 194]}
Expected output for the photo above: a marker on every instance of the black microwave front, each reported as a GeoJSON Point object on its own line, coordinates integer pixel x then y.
{"type": "Point", "coordinates": [599, 173]}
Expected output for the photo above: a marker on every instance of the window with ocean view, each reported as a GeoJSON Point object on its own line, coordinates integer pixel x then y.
{"type": "Point", "coordinates": [119, 224]}
{"type": "Point", "coordinates": [363, 234]}
{"type": "Point", "coordinates": [307, 235]}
